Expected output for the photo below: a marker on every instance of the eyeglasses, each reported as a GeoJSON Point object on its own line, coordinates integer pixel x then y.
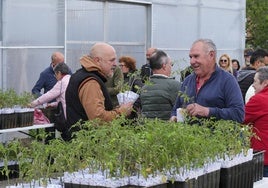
{"type": "Point", "coordinates": [171, 64]}
{"type": "Point", "coordinates": [262, 62]}
{"type": "Point", "coordinates": [57, 73]}
{"type": "Point", "coordinates": [223, 60]}
{"type": "Point", "coordinates": [121, 65]}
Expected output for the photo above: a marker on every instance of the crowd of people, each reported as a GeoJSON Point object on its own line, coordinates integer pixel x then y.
{"type": "Point", "coordinates": [210, 87]}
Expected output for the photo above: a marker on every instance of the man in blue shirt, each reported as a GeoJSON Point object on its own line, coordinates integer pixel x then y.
{"type": "Point", "coordinates": [47, 77]}
{"type": "Point", "coordinates": [209, 91]}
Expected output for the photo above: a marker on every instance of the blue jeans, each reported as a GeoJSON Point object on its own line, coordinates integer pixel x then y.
{"type": "Point", "coordinates": [265, 171]}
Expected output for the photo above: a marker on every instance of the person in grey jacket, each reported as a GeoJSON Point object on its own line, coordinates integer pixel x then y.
{"type": "Point", "coordinates": [158, 97]}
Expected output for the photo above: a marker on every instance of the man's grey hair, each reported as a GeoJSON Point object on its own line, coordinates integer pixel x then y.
{"type": "Point", "coordinates": [263, 74]}
{"type": "Point", "coordinates": [208, 44]}
{"type": "Point", "coordinates": [62, 67]}
{"type": "Point", "coordinates": [157, 59]}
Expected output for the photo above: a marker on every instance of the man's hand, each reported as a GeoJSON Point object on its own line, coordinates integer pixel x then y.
{"type": "Point", "coordinates": [173, 118]}
{"type": "Point", "coordinates": [126, 108]}
{"type": "Point", "coordinates": [197, 110]}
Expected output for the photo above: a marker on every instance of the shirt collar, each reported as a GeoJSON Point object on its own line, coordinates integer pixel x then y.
{"type": "Point", "coordinates": [162, 75]}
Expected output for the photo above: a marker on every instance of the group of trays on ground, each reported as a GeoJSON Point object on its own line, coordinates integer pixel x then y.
{"type": "Point", "coordinates": [238, 176]}
{"type": "Point", "coordinates": [242, 175]}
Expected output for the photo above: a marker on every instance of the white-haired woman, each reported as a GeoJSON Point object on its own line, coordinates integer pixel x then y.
{"type": "Point", "coordinates": [256, 114]}
{"type": "Point", "coordinates": [62, 75]}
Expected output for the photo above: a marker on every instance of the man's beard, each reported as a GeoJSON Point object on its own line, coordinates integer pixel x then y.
{"type": "Point", "coordinates": [111, 75]}
{"type": "Point", "coordinates": [112, 72]}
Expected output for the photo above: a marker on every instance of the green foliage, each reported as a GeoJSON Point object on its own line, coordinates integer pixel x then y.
{"type": "Point", "coordinates": [24, 99]}
{"type": "Point", "coordinates": [10, 98]}
{"type": "Point", "coordinates": [127, 86]}
{"type": "Point", "coordinates": [120, 149]}
{"type": "Point", "coordinates": [257, 23]}
{"type": "Point", "coordinates": [4, 153]}
{"type": "Point", "coordinates": [178, 69]}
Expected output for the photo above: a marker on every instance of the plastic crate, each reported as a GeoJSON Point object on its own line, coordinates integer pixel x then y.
{"type": "Point", "coordinates": [14, 172]}
{"type": "Point", "coordinates": [258, 163]}
{"type": "Point", "coordinates": [155, 186]}
{"type": "Point", "coordinates": [71, 185]}
{"type": "Point", "coordinates": [8, 120]}
{"type": "Point", "coordinates": [191, 183]}
{"type": "Point", "coordinates": [25, 119]}
{"type": "Point", "coordinates": [209, 180]}
{"type": "Point", "coordinates": [238, 176]}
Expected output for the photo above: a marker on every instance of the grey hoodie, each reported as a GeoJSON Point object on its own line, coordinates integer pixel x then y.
{"type": "Point", "coordinates": [242, 74]}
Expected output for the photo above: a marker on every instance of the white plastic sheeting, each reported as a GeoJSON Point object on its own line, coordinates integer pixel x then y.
{"type": "Point", "coordinates": [31, 30]}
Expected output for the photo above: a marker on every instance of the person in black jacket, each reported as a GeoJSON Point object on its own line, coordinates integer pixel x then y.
{"type": "Point", "coordinates": [87, 97]}
{"type": "Point", "coordinates": [128, 67]}
{"type": "Point", "coordinates": [146, 71]}
{"type": "Point", "coordinates": [259, 58]}
{"type": "Point", "coordinates": [186, 72]}
{"type": "Point", "coordinates": [132, 81]}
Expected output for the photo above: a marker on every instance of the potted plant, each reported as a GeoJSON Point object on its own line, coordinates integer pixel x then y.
{"type": "Point", "coordinates": [8, 164]}
{"type": "Point", "coordinates": [151, 153]}
{"type": "Point", "coordinates": [13, 109]}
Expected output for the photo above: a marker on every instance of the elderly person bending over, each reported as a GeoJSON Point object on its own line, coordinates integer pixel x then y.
{"type": "Point", "coordinates": [62, 75]}
{"type": "Point", "coordinates": [47, 79]}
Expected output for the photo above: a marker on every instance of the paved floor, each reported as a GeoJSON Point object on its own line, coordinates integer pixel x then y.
{"type": "Point", "coordinates": [261, 184]}
{"type": "Point", "coordinates": [10, 136]}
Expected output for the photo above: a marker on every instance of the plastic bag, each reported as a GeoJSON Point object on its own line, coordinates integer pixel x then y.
{"type": "Point", "coordinates": [39, 117]}
{"type": "Point", "coordinates": [127, 96]}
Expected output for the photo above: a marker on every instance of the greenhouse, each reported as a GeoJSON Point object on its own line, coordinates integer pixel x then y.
{"type": "Point", "coordinates": [30, 31]}
{"type": "Point", "coordinates": [145, 153]}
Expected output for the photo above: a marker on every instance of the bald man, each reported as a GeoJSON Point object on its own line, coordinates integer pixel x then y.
{"type": "Point", "coordinates": [146, 71]}
{"type": "Point", "coordinates": [47, 78]}
{"type": "Point", "coordinates": [87, 97]}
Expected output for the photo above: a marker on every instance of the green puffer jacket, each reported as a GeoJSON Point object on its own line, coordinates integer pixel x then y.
{"type": "Point", "coordinates": [158, 97]}
{"type": "Point", "coordinates": [114, 85]}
